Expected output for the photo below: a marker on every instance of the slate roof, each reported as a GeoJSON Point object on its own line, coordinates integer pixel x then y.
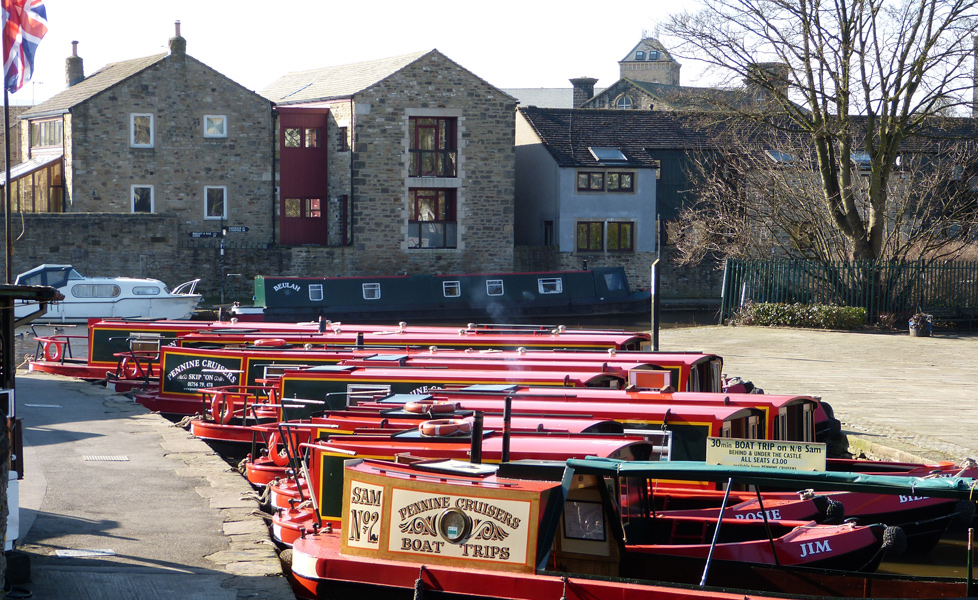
{"type": "Point", "coordinates": [567, 133]}
{"type": "Point", "coordinates": [546, 97]}
{"type": "Point", "coordinates": [335, 82]}
{"type": "Point", "coordinates": [684, 97]}
{"type": "Point", "coordinates": [96, 83]}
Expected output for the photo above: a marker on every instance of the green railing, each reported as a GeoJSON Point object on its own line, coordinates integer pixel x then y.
{"type": "Point", "coordinates": [881, 287]}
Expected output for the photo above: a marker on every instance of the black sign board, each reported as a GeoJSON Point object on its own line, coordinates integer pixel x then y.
{"type": "Point", "coordinates": [237, 229]}
{"type": "Point", "coordinates": [205, 234]}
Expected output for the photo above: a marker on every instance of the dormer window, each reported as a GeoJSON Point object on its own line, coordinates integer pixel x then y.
{"type": "Point", "coordinates": [623, 103]}
{"type": "Point", "coordinates": [639, 55]}
{"type": "Point", "coordinates": [653, 55]}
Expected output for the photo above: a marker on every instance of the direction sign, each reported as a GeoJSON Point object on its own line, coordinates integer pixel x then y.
{"type": "Point", "coordinates": [237, 229]}
{"type": "Point", "coordinates": [205, 234]}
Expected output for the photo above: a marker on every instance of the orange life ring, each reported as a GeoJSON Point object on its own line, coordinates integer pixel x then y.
{"type": "Point", "coordinates": [440, 427]}
{"type": "Point", "coordinates": [221, 409]}
{"type": "Point", "coordinates": [420, 407]}
{"type": "Point", "coordinates": [279, 457]}
{"type": "Point", "coordinates": [52, 351]}
{"type": "Point", "coordinates": [129, 369]}
{"type": "Point", "coordinates": [270, 342]}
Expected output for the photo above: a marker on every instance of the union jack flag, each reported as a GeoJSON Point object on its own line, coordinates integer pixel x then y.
{"type": "Point", "coordinates": [24, 24]}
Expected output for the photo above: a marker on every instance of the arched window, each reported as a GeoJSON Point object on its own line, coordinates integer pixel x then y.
{"type": "Point", "coordinates": [623, 103]}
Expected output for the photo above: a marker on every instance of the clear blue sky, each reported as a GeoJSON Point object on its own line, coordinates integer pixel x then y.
{"type": "Point", "coordinates": [534, 43]}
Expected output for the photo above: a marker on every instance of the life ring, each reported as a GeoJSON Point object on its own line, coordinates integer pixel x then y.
{"type": "Point", "coordinates": [441, 427]}
{"type": "Point", "coordinates": [221, 409]}
{"type": "Point", "coordinates": [275, 342]}
{"type": "Point", "coordinates": [52, 351]}
{"type": "Point", "coordinates": [129, 369]}
{"type": "Point", "coordinates": [279, 457]}
{"type": "Point", "coordinates": [420, 407]}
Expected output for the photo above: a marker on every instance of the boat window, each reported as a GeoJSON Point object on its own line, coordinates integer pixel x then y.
{"type": "Point", "coordinates": [451, 289]}
{"type": "Point", "coordinates": [550, 285]}
{"type": "Point", "coordinates": [95, 290]}
{"type": "Point", "coordinates": [584, 521]}
{"type": "Point", "coordinates": [146, 290]}
{"type": "Point", "coordinates": [614, 281]}
{"type": "Point", "coordinates": [316, 292]}
{"type": "Point", "coordinates": [494, 287]}
{"type": "Point", "coordinates": [694, 379]}
{"type": "Point", "coordinates": [371, 291]}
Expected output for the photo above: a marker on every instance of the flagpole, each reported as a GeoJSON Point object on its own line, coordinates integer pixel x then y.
{"type": "Point", "coordinates": [6, 188]}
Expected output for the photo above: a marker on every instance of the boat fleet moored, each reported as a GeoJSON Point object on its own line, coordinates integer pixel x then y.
{"type": "Point", "coordinates": [526, 462]}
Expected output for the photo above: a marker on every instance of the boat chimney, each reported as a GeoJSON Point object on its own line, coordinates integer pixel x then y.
{"type": "Point", "coordinates": [74, 67]}
{"type": "Point", "coordinates": [475, 453]}
{"type": "Point", "coordinates": [507, 426]}
{"type": "Point", "coordinates": [359, 340]}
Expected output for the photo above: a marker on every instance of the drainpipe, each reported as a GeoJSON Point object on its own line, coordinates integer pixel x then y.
{"type": "Point", "coordinates": [274, 128]}
{"type": "Point", "coordinates": [353, 141]}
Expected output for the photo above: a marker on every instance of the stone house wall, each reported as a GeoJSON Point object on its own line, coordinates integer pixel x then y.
{"type": "Point", "coordinates": [433, 86]}
{"type": "Point", "coordinates": [178, 91]}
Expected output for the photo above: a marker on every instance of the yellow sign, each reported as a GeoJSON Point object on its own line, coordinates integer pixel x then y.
{"type": "Point", "coordinates": [791, 456]}
{"type": "Point", "coordinates": [459, 527]}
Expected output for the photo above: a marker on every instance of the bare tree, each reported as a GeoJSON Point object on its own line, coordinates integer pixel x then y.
{"type": "Point", "coordinates": [758, 196]}
{"type": "Point", "coordinates": [853, 81]}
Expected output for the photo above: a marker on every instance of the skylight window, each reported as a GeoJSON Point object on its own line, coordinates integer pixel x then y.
{"type": "Point", "coordinates": [779, 156]}
{"type": "Point", "coordinates": [607, 154]}
{"type": "Point", "coordinates": [861, 160]}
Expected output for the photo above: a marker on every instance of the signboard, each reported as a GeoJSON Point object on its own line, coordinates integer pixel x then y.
{"type": "Point", "coordinates": [459, 527]}
{"type": "Point", "coordinates": [792, 456]}
{"type": "Point", "coordinates": [205, 234]}
{"type": "Point", "coordinates": [184, 372]}
{"type": "Point", "coordinates": [237, 229]}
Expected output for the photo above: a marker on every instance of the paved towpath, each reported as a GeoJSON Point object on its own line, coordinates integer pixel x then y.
{"type": "Point", "coordinates": [117, 503]}
{"type": "Point", "coordinates": [904, 394]}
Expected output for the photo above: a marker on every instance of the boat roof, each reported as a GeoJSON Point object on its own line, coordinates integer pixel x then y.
{"type": "Point", "coordinates": [938, 487]}
{"type": "Point", "coordinates": [46, 274]}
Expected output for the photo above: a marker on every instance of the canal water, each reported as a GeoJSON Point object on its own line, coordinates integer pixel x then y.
{"type": "Point", "coordinates": [947, 559]}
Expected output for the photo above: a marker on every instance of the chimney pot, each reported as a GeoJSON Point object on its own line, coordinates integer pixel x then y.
{"type": "Point", "coordinates": [74, 67]}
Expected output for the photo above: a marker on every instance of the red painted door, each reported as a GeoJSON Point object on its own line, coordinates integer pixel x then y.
{"type": "Point", "coordinates": [303, 178]}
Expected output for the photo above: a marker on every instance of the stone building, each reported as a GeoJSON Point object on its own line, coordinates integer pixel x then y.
{"type": "Point", "coordinates": [125, 165]}
{"type": "Point", "coordinates": [407, 166]}
{"type": "Point", "coordinates": [163, 134]}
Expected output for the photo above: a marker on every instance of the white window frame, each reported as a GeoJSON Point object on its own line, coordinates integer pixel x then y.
{"type": "Point", "coordinates": [550, 285]}
{"type": "Point", "coordinates": [224, 189]}
{"type": "Point", "coordinates": [132, 198]}
{"type": "Point", "coordinates": [132, 130]}
{"type": "Point", "coordinates": [224, 126]}
{"type": "Point", "coordinates": [371, 291]}
{"type": "Point", "coordinates": [316, 292]}
{"type": "Point", "coordinates": [451, 289]}
{"type": "Point", "coordinates": [494, 287]}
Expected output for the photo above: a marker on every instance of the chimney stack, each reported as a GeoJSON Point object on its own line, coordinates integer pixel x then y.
{"type": "Point", "coordinates": [583, 90]}
{"type": "Point", "coordinates": [74, 67]}
{"type": "Point", "coordinates": [178, 45]}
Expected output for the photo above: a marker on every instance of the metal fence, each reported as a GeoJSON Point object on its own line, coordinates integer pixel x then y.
{"type": "Point", "coordinates": [881, 287]}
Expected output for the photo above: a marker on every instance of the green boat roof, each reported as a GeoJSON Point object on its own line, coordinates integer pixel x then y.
{"type": "Point", "coordinates": [939, 487]}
